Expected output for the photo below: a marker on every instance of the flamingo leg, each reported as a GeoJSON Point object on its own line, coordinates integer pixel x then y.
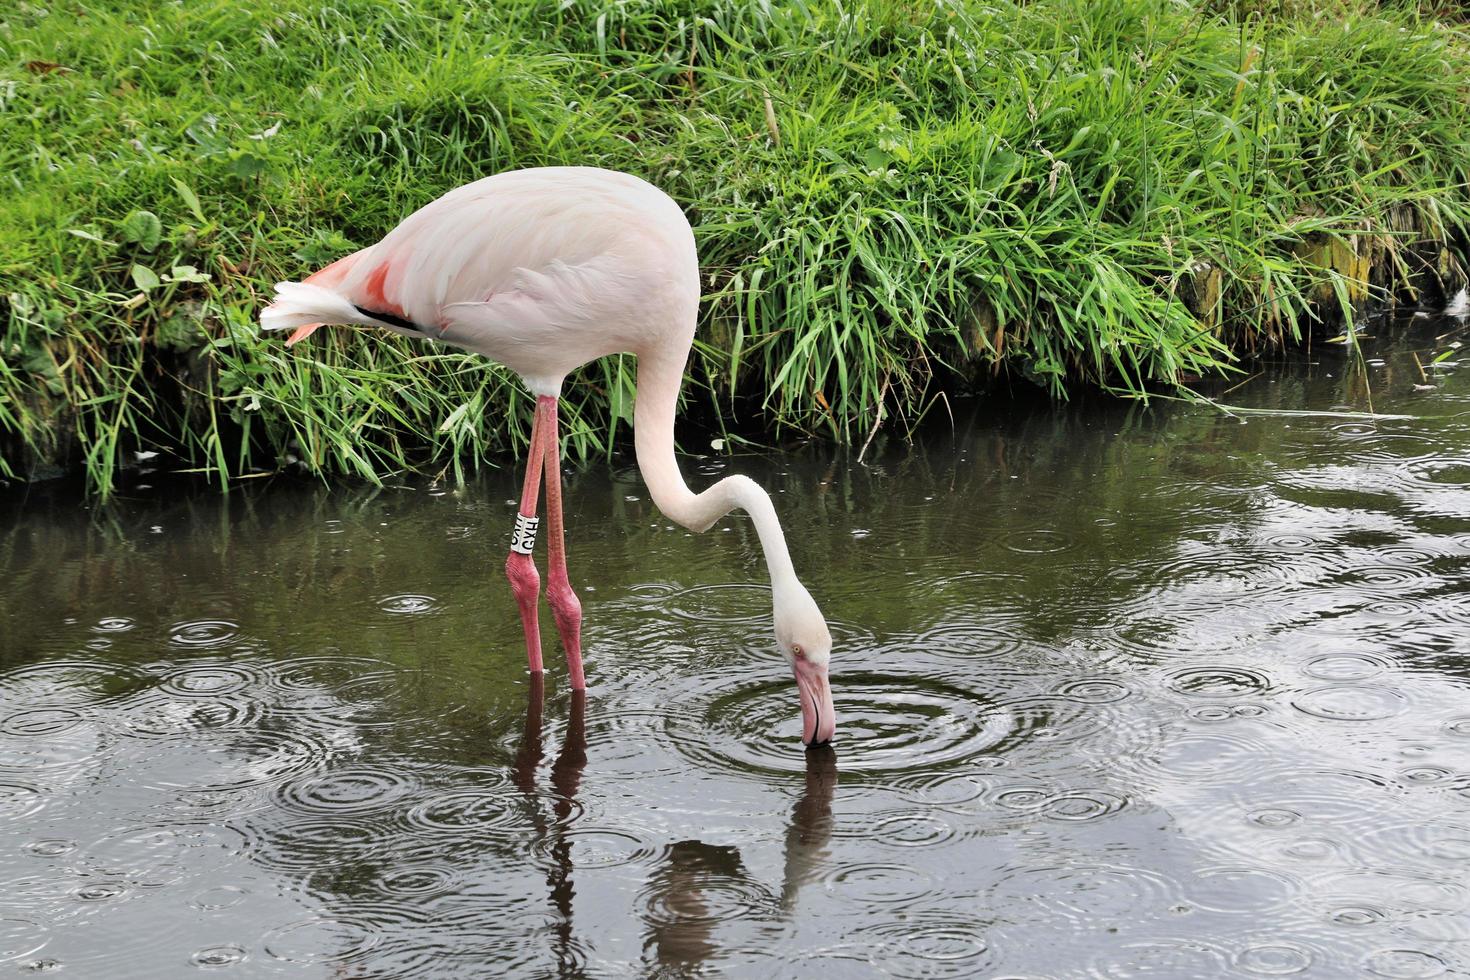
{"type": "Point", "coordinates": [520, 567]}
{"type": "Point", "coordinates": [565, 605]}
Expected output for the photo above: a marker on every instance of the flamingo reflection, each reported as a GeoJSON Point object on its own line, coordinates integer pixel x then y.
{"type": "Point", "coordinates": [681, 904]}
{"type": "Point", "coordinates": [566, 779]}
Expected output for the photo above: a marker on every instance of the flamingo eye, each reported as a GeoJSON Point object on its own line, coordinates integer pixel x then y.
{"type": "Point", "coordinates": [797, 651]}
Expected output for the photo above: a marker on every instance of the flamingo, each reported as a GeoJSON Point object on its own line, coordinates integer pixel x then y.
{"type": "Point", "coordinates": [543, 270]}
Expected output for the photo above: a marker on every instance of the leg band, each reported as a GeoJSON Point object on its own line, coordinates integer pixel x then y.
{"type": "Point", "coordinates": [523, 538]}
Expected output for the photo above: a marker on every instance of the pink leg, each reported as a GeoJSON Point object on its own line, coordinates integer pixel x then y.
{"type": "Point", "coordinates": [564, 603]}
{"type": "Point", "coordinates": [520, 568]}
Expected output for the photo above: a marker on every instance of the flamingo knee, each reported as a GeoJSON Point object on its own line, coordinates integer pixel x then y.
{"type": "Point", "coordinates": [525, 581]}
{"type": "Point", "coordinates": [564, 604]}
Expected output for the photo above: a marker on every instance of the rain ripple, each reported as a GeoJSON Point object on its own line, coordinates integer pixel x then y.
{"type": "Point", "coordinates": [423, 879]}
{"type": "Point", "coordinates": [597, 847]}
{"type": "Point", "coordinates": [1242, 890]}
{"type": "Point", "coordinates": [874, 885]}
{"type": "Point", "coordinates": [1094, 690]}
{"type": "Point", "coordinates": [1168, 959]}
{"type": "Point", "coordinates": [1083, 893]}
{"type": "Point", "coordinates": [1217, 681]}
{"type": "Point", "coordinates": [1404, 964]}
{"type": "Point", "coordinates": [408, 605]}
{"type": "Point", "coordinates": [218, 957]}
{"type": "Point", "coordinates": [113, 624]}
{"type": "Point", "coordinates": [935, 943]}
{"type": "Point", "coordinates": [156, 714]}
{"type": "Point", "coordinates": [55, 741]}
{"type": "Point", "coordinates": [493, 812]}
{"type": "Point", "coordinates": [1218, 756]}
{"type": "Point", "coordinates": [323, 939]}
{"type": "Point", "coordinates": [1345, 668]}
{"type": "Point", "coordinates": [70, 683]}
{"type": "Point", "coordinates": [888, 724]}
{"type": "Point", "coordinates": [945, 790]}
{"type": "Point", "coordinates": [355, 791]}
{"type": "Point", "coordinates": [248, 758]}
{"type": "Point", "coordinates": [308, 846]}
{"type": "Point", "coordinates": [150, 857]}
{"type": "Point", "coordinates": [1274, 959]}
{"type": "Point", "coordinates": [726, 603]}
{"type": "Point", "coordinates": [203, 633]}
{"type": "Point", "coordinates": [1066, 806]}
{"type": "Point", "coordinates": [907, 829]}
{"type": "Point", "coordinates": [1360, 702]}
{"type": "Point", "coordinates": [211, 680]}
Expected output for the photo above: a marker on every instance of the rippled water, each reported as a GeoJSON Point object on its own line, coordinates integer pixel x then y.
{"type": "Point", "coordinates": [1121, 693]}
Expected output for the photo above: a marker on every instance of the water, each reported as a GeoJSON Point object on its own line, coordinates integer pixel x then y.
{"type": "Point", "coordinates": [1120, 693]}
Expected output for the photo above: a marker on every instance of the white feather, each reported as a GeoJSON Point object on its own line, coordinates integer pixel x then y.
{"type": "Point", "coordinates": [1460, 305]}
{"type": "Point", "coordinates": [298, 304]}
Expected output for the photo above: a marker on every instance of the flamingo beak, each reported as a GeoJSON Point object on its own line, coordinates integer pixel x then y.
{"type": "Point", "coordinates": [818, 718]}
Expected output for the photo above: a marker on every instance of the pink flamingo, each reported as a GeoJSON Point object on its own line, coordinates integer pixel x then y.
{"type": "Point", "coordinates": [544, 270]}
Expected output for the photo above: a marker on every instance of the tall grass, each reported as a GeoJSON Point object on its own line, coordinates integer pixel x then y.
{"type": "Point", "coordinates": [891, 198]}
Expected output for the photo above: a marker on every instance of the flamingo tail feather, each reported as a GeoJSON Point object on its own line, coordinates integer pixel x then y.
{"type": "Point", "coordinates": [303, 307]}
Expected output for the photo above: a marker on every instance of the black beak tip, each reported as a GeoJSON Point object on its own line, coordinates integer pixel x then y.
{"type": "Point", "coordinates": [823, 744]}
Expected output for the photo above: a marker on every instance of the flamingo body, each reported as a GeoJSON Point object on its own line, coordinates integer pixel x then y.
{"type": "Point", "coordinates": [544, 270]}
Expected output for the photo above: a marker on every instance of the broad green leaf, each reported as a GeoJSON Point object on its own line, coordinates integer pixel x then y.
{"type": "Point", "coordinates": [145, 278]}
{"type": "Point", "coordinates": [143, 229]}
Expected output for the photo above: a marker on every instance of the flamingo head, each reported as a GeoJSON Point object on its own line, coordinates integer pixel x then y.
{"type": "Point", "coordinates": [805, 641]}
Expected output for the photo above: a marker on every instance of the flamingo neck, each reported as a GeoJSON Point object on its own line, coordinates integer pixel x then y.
{"type": "Point", "coordinates": [659, 379]}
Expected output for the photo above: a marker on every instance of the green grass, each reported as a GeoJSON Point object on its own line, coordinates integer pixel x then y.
{"type": "Point", "coordinates": [892, 199]}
